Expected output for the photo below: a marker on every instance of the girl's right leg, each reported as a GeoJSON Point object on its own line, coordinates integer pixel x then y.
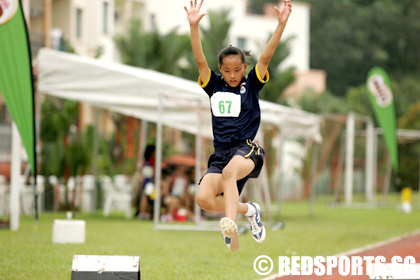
{"type": "Point", "coordinates": [208, 198]}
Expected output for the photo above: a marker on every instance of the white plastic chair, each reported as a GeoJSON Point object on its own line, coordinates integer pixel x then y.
{"type": "Point", "coordinates": [88, 187]}
{"type": "Point", "coordinates": [118, 195]}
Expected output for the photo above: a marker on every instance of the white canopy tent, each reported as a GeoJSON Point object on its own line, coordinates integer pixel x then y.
{"type": "Point", "coordinates": [152, 96]}
{"type": "Point", "coordinates": [135, 91]}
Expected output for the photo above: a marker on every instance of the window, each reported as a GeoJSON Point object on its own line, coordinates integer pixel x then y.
{"type": "Point", "coordinates": [79, 13]}
{"type": "Point", "coordinates": [153, 22]}
{"type": "Point", "coordinates": [242, 43]}
{"type": "Point", "coordinates": [105, 17]}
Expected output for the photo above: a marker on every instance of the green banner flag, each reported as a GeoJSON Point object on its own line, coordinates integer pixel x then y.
{"type": "Point", "coordinates": [16, 85]}
{"type": "Point", "coordinates": [381, 98]}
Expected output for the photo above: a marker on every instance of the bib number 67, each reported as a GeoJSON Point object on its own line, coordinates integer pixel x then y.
{"type": "Point", "coordinates": [222, 106]}
{"type": "Point", "coordinates": [226, 104]}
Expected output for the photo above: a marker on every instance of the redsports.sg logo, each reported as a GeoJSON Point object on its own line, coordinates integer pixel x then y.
{"type": "Point", "coordinates": [373, 266]}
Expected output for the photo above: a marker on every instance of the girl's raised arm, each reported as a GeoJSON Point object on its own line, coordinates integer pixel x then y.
{"type": "Point", "coordinates": [269, 50]}
{"type": "Point", "coordinates": [194, 17]}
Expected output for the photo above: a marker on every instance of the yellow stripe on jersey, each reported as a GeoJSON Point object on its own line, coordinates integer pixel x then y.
{"type": "Point", "coordinates": [267, 76]}
{"type": "Point", "coordinates": [201, 84]}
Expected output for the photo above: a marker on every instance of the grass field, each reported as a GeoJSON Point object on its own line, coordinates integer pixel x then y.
{"type": "Point", "coordinates": [26, 254]}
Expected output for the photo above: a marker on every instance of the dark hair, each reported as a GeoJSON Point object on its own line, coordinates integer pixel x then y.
{"type": "Point", "coordinates": [148, 152]}
{"type": "Point", "coordinates": [231, 50]}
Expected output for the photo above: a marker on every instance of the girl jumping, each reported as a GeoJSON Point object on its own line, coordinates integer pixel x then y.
{"type": "Point", "coordinates": [236, 118]}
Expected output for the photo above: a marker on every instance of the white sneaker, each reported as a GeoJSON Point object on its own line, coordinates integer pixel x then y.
{"type": "Point", "coordinates": [257, 228]}
{"type": "Point", "coordinates": [230, 233]}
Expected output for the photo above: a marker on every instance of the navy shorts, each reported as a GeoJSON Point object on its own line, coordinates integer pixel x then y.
{"type": "Point", "coordinates": [248, 149]}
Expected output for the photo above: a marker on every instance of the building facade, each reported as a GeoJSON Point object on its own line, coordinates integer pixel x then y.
{"type": "Point", "coordinates": [89, 27]}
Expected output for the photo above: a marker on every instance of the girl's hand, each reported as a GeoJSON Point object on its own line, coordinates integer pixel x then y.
{"type": "Point", "coordinates": [284, 14]}
{"type": "Point", "coordinates": [194, 15]}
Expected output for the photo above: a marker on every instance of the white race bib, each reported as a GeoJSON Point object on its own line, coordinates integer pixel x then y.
{"type": "Point", "coordinates": [225, 104]}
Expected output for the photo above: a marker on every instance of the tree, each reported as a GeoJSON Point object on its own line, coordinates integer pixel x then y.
{"type": "Point", "coordinates": [348, 37]}
{"type": "Point", "coordinates": [151, 50]}
{"type": "Point", "coordinates": [214, 38]}
{"type": "Point", "coordinates": [411, 119]}
{"type": "Point", "coordinates": [405, 94]}
{"type": "Point", "coordinates": [340, 45]}
{"type": "Point", "coordinates": [324, 103]}
{"type": "Point", "coordinates": [358, 101]}
{"type": "Point", "coordinates": [396, 28]}
{"type": "Point", "coordinates": [57, 118]}
{"type": "Point", "coordinates": [409, 150]}
{"type": "Point", "coordinates": [279, 79]}
{"type": "Point", "coordinates": [407, 110]}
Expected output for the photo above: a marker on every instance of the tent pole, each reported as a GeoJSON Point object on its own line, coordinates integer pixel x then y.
{"type": "Point", "coordinates": [142, 144]}
{"type": "Point", "coordinates": [348, 184]}
{"type": "Point", "coordinates": [387, 179]}
{"type": "Point", "coordinates": [375, 165]}
{"type": "Point", "coordinates": [94, 198]}
{"type": "Point", "coordinates": [140, 154]}
{"type": "Point", "coordinates": [264, 180]}
{"type": "Point", "coordinates": [280, 158]}
{"type": "Point", "coordinates": [369, 157]}
{"type": "Point", "coordinates": [38, 104]}
{"type": "Point", "coordinates": [198, 147]}
{"type": "Point", "coordinates": [337, 183]}
{"type": "Point", "coordinates": [158, 164]}
{"type": "Point", "coordinates": [15, 181]}
{"type": "Point", "coordinates": [314, 167]}
{"type": "Point", "coordinates": [138, 175]}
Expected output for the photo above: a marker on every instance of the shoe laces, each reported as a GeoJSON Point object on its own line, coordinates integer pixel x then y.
{"type": "Point", "coordinates": [253, 222]}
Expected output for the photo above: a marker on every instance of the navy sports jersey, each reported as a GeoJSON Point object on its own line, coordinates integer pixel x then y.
{"type": "Point", "coordinates": [236, 114]}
